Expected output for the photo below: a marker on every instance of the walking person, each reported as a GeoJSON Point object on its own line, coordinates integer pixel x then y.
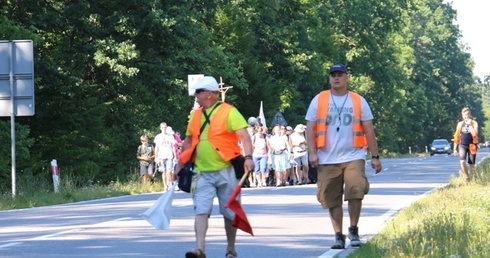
{"type": "Point", "coordinates": [280, 152]}
{"type": "Point", "coordinates": [337, 121]}
{"type": "Point", "coordinates": [166, 157]}
{"type": "Point", "coordinates": [466, 142]}
{"type": "Point", "coordinates": [158, 141]}
{"type": "Point", "coordinates": [145, 155]}
{"type": "Point", "coordinates": [260, 156]}
{"type": "Point", "coordinates": [290, 172]}
{"type": "Point", "coordinates": [300, 154]}
{"type": "Point", "coordinates": [251, 176]}
{"type": "Point", "coordinates": [159, 137]}
{"type": "Point", "coordinates": [214, 131]}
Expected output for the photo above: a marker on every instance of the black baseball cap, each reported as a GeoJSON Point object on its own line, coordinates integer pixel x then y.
{"type": "Point", "coordinates": [338, 68]}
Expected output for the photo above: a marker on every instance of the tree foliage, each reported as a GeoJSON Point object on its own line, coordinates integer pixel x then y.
{"type": "Point", "coordinates": [109, 71]}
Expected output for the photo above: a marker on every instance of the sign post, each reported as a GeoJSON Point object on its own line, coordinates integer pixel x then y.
{"type": "Point", "coordinates": [16, 86]}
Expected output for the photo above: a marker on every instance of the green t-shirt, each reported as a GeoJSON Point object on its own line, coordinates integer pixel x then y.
{"type": "Point", "coordinates": [207, 158]}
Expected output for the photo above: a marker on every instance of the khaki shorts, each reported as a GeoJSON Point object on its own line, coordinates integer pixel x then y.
{"type": "Point", "coordinates": [216, 183]}
{"type": "Point", "coordinates": [333, 177]}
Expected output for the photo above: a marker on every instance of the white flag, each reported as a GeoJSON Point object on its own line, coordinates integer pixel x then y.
{"type": "Point", "coordinates": [261, 115]}
{"type": "Point", "coordinates": [158, 215]}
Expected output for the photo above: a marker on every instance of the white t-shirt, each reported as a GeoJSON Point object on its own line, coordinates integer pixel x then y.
{"type": "Point", "coordinates": [340, 146]}
{"type": "Point", "coordinates": [166, 144]}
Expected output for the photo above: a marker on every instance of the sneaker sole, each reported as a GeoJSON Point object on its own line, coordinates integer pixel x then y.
{"type": "Point", "coordinates": [356, 243]}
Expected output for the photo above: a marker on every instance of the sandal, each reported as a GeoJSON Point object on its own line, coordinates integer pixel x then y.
{"type": "Point", "coordinates": [231, 254]}
{"type": "Point", "coordinates": [197, 253]}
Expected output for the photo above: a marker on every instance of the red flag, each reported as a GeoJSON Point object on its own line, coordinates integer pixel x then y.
{"type": "Point", "coordinates": [240, 221]}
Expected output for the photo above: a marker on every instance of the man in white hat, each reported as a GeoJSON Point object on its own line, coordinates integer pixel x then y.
{"type": "Point", "coordinates": [214, 131]}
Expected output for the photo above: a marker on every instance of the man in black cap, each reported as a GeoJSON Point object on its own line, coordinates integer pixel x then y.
{"type": "Point", "coordinates": [339, 125]}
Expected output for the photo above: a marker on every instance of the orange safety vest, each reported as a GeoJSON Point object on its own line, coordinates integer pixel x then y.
{"type": "Point", "coordinates": [457, 134]}
{"type": "Point", "coordinates": [322, 116]}
{"type": "Point", "coordinates": [225, 143]}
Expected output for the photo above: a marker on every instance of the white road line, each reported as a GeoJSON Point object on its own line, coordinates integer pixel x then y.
{"type": "Point", "coordinates": [43, 237]}
{"type": "Point", "coordinates": [10, 244]}
{"type": "Point", "coordinates": [56, 234]}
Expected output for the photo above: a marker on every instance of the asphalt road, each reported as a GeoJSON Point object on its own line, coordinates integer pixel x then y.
{"type": "Point", "coordinates": [287, 221]}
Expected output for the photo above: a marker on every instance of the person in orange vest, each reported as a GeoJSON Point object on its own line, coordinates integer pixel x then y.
{"type": "Point", "coordinates": [466, 142]}
{"type": "Point", "coordinates": [339, 122]}
{"type": "Point", "coordinates": [212, 141]}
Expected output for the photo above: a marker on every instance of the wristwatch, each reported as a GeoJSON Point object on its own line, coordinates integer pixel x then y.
{"type": "Point", "coordinates": [375, 157]}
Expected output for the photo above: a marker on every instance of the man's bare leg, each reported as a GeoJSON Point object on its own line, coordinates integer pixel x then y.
{"type": "Point", "coordinates": [230, 236]}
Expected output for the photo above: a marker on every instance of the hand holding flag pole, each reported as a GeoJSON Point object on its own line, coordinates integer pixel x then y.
{"type": "Point", "coordinates": [240, 221]}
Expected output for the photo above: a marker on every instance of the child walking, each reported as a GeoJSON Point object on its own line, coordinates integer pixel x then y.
{"type": "Point", "coordinates": [145, 155]}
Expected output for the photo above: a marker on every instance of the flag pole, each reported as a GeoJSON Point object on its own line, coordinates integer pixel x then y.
{"type": "Point", "coordinates": [244, 177]}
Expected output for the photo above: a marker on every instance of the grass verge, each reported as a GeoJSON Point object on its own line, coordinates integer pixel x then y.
{"type": "Point", "coordinates": [35, 192]}
{"type": "Point", "coordinates": [451, 222]}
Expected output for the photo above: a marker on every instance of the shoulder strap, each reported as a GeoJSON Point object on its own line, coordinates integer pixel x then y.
{"type": "Point", "coordinates": [207, 118]}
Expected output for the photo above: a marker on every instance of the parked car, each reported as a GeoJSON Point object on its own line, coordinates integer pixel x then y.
{"type": "Point", "coordinates": [440, 146]}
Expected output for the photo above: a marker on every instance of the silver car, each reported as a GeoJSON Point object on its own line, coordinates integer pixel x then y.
{"type": "Point", "coordinates": [440, 146]}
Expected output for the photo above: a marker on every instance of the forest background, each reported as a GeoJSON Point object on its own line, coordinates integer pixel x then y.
{"type": "Point", "coordinates": [108, 71]}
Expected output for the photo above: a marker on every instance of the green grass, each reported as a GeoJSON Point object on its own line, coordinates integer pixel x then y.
{"type": "Point", "coordinates": [34, 191]}
{"type": "Point", "coordinates": [452, 222]}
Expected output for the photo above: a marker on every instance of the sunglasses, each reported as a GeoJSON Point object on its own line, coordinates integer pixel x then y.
{"type": "Point", "coordinates": [200, 90]}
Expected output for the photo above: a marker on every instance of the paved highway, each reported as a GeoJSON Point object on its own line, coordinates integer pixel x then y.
{"type": "Point", "coordinates": [287, 221]}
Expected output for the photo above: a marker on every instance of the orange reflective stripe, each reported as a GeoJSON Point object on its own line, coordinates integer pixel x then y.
{"type": "Point", "coordinates": [358, 130]}
{"type": "Point", "coordinates": [320, 134]}
{"type": "Point", "coordinates": [322, 118]}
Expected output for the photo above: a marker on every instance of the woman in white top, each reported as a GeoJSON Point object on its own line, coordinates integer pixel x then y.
{"type": "Point", "coordinates": [280, 150]}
